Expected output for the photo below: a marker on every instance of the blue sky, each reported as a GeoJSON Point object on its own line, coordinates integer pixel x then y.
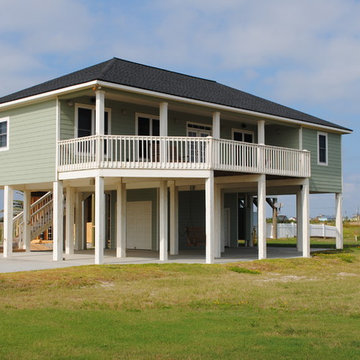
{"type": "Point", "coordinates": [304, 54]}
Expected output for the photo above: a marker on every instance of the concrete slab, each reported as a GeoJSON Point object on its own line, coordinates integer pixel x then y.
{"type": "Point", "coordinates": [43, 260]}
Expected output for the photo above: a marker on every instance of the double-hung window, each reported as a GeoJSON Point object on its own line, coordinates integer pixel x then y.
{"type": "Point", "coordinates": [4, 134]}
{"type": "Point", "coordinates": [322, 149]}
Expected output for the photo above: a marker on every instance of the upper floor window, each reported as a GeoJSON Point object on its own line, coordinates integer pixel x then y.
{"type": "Point", "coordinates": [198, 130]}
{"type": "Point", "coordinates": [322, 149]}
{"type": "Point", "coordinates": [147, 125]}
{"type": "Point", "coordinates": [4, 134]}
{"type": "Point", "coordinates": [243, 135]}
{"type": "Point", "coordinates": [85, 120]}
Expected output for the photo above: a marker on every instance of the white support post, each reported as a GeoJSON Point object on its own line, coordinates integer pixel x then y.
{"type": "Point", "coordinates": [262, 217]}
{"type": "Point", "coordinates": [79, 225]}
{"type": "Point", "coordinates": [299, 222]}
{"type": "Point", "coordinates": [216, 125]}
{"type": "Point", "coordinates": [58, 220]}
{"type": "Point", "coordinates": [8, 220]}
{"type": "Point", "coordinates": [121, 219]}
{"type": "Point", "coordinates": [174, 245]}
{"type": "Point", "coordinates": [251, 220]}
{"type": "Point", "coordinates": [217, 220]}
{"type": "Point", "coordinates": [69, 221]}
{"type": "Point", "coordinates": [100, 112]}
{"type": "Point", "coordinates": [339, 221]}
{"type": "Point", "coordinates": [163, 209]}
{"type": "Point", "coordinates": [26, 220]}
{"type": "Point", "coordinates": [163, 124]}
{"type": "Point", "coordinates": [305, 218]}
{"type": "Point", "coordinates": [209, 219]}
{"type": "Point", "coordinates": [300, 138]}
{"type": "Point", "coordinates": [222, 223]}
{"type": "Point", "coordinates": [99, 220]}
{"type": "Point", "coordinates": [261, 132]}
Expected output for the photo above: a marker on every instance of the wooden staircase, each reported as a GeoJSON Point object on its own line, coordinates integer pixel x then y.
{"type": "Point", "coordinates": [41, 217]}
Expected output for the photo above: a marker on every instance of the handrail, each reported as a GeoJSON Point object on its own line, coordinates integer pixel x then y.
{"type": "Point", "coordinates": [180, 152]}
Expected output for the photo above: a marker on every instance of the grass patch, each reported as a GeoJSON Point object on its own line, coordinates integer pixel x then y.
{"type": "Point", "coordinates": [243, 270]}
{"type": "Point", "coordinates": [292, 309]}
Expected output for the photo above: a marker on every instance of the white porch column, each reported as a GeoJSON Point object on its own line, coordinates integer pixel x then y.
{"type": "Point", "coordinates": [299, 222]}
{"type": "Point", "coordinates": [300, 138]}
{"type": "Point", "coordinates": [251, 220]}
{"type": "Point", "coordinates": [222, 222]}
{"type": "Point", "coordinates": [163, 124]}
{"type": "Point", "coordinates": [58, 220]}
{"type": "Point", "coordinates": [339, 221]}
{"type": "Point", "coordinates": [217, 221]}
{"type": "Point", "coordinates": [262, 217]}
{"type": "Point", "coordinates": [163, 119]}
{"type": "Point", "coordinates": [100, 112]}
{"type": "Point", "coordinates": [216, 125]}
{"type": "Point", "coordinates": [305, 219]}
{"type": "Point", "coordinates": [163, 209]}
{"type": "Point", "coordinates": [26, 220]}
{"type": "Point", "coordinates": [174, 218]}
{"type": "Point", "coordinates": [261, 131]}
{"type": "Point", "coordinates": [8, 220]}
{"type": "Point", "coordinates": [210, 219]}
{"type": "Point", "coordinates": [99, 219]}
{"type": "Point", "coordinates": [79, 224]}
{"type": "Point", "coordinates": [69, 221]}
{"type": "Point", "coordinates": [121, 220]}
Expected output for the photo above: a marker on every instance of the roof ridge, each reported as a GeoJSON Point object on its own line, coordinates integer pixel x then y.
{"type": "Point", "coordinates": [108, 65]}
{"type": "Point", "coordinates": [165, 70]}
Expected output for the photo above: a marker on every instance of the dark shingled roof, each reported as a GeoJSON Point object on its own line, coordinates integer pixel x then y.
{"type": "Point", "coordinates": [128, 73]}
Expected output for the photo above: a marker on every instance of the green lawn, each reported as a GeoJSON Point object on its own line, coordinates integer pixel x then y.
{"type": "Point", "coordinates": [269, 309]}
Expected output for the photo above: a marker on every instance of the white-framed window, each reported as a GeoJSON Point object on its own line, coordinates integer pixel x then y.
{"type": "Point", "coordinates": [198, 129]}
{"type": "Point", "coordinates": [4, 134]}
{"type": "Point", "coordinates": [242, 135]}
{"type": "Point", "coordinates": [85, 120]}
{"type": "Point", "coordinates": [322, 146]}
{"type": "Point", "coordinates": [147, 125]}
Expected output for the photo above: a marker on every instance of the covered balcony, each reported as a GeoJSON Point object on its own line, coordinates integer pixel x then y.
{"type": "Point", "coordinates": [180, 153]}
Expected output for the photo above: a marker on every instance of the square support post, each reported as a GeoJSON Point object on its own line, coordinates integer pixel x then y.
{"type": "Point", "coordinates": [339, 221]}
{"type": "Point", "coordinates": [216, 125]}
{"type": "Point", "coordinates": [58, 220]}
{"type": "Point", "coordinates": [163, 124]}
{"type": "Point", "coordinates": [79, 222]}
{"type": "Point", "coordinates": [27, 220]}
{"type": "Point", "coordinates": [8, 220]}
{"type": "Point", "coordinates": [217, 220]}
{"type": "Point", "coordinates": [163, 209]}
{"type": "Point", "coordinates": [69, 221]}
{"type": "Point", "coordinates": [262, 217]}
{"type": "Point", "coordinates": [209, 219]}
{"type": "Point", "coordinates": [99, 220]}
{"type": "Point", "coordinates": [121, 219]}
{"type": "Point", "coordinates": [174, 218]}
{"type": "Point", "coordinates": [305, 203]}
{"type": "Point", "coordinates": [299, 222]}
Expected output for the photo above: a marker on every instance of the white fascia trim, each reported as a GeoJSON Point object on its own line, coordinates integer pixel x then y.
{"type": "Point", "coordinates": [47, 95]}
{"type": "Point", "coordinates": [135, 173]}
{"type": "Point", "coordinates": [218, 107]}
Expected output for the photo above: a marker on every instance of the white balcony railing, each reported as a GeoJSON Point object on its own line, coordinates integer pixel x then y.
{"type": "Point", "coordinates": [187, 153]}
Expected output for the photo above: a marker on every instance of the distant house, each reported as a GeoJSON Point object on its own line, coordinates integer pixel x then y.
{"type": "Point", "coordinates": [152, 159]}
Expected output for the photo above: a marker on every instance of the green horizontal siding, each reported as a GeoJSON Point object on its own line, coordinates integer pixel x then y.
{"type": "Point", "coordinates": [324, 178]}
{"type": "Point", "coordinates": [31, 156]}
{"type": "Point", "coordinates": [284, 136]}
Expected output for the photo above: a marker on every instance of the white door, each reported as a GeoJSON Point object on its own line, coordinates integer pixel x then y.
{"type": "Point", "coordinates": [138, 225]}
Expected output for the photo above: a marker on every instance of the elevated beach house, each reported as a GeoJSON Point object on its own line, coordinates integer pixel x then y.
{"type": "Point", "coordinates": [128, 156]}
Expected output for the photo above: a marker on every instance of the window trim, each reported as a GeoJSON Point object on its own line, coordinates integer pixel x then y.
{"type": "Point", "coordinates": [7, 120]}
{"type": "Point", "coordinates": [93, 108]}
{"type": "Point", "coordinates": [147, 116]}
{"type": "Point", "coordinates": [233, 130]}
{"type": "Point", "coordinates": [326, 149]}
